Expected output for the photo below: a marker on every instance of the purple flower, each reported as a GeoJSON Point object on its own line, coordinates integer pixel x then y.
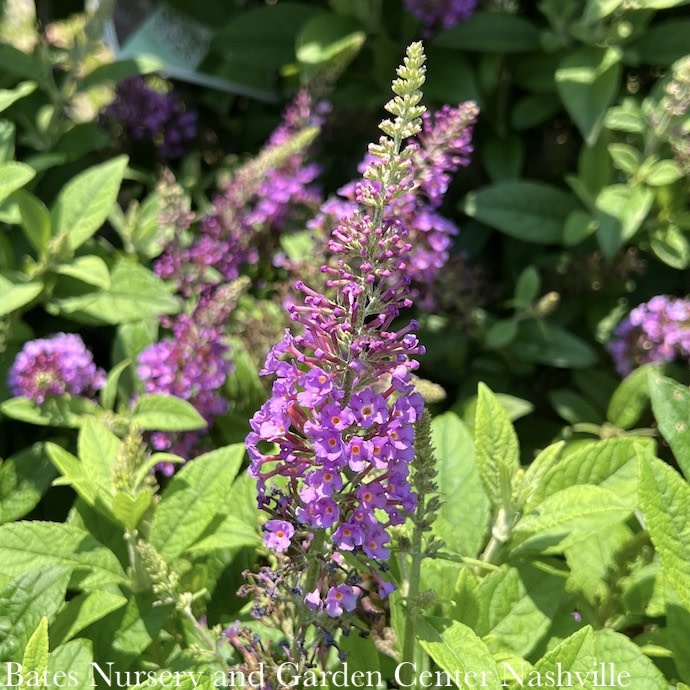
{"type": "Point", "coordinates": [53, 366]}
{"type": "Point", "coordinates": [440, 13]}
{"type": "Point", "coordinates": [339, 599]}
{"type": "Point", "coordinates": [278, 535]}
{"type": "Point", "coordinates": [147, 114]}
{"type": "Point", "coordinates": [654, 331]}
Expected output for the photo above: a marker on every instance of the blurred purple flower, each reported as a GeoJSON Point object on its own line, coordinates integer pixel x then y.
{"type": "Point", "coordinates": [440, 13]}
{"type": "Point", "coordinates": [53, 366]}
{"type": "Point", "coordinates": [654, 331]}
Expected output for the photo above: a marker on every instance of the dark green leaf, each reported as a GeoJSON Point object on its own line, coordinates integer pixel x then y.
{"type": "Point", "coordinates": [531, 211]}
{"type": "Point", "coordinates": [664, 42]}
{"type": "Point", "coordinates": [546, 343]}
{"type": "Point", "coordinates": [491, 32]}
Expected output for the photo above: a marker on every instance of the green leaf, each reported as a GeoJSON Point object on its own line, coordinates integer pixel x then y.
{"type": "Point", "coordinates": [17, 292]}
{"type": "Point", "coordinates": [496, 447]}
{"type": "Point", "coordinates": [573, 407]}
{"type": "Point", "coordinates": [161, 412]}
{"type": "Point", "coordinates": [517, 607]}
{"type": "Point", "coordinates": [61, 410]}
{"type": "Point", "coordinates": [587, 81]}
{"type": "Point", "coordinates": [14, 176]}
{"type": "Point", "coordinates": [529, 211]}
{"type": "Point", "coordinates": [671, 406]}
{"type": "Point", "coordinates": [35, 219]}
{"type": "Point", "coordinates": [671, 245]}
{"type": "Point", "coordinates": [108, 395]}
{"type": "Point", "coordinates": [458, 651]}
{"type": "Point", "coordinates": [626, 158]}
{"type": "Point", "coordinates": [195, 495]}
{"type": "Point", "coordinates": [631, 399]}
{"type": "Point", "coordinates": [566, 517]}
{"type": "Point", "coordinates": [630, 662]}
{"type": "Point", "coordinates": [501, 334]}
{"type": "Point", "coordinates": [36, 652]}
{"type": "Point", "coordinates": [24, 478]}
{"type": "Point", "coordinates": [26, 600]}
{"type": "Point", "coordinates": [677, 631]}
{"type": "Point", "coordinates": [621, 211]}
{"type": "Point", "coordinates": [326, 36]}
{"type": "Point", "coordinates": [74, 658]}
{"type": "Point", "coordinates": [7, 132]}
{"type": "Point", "coordinates": [450, 77]}
{"type": "Point", "coordinates": [534, 110]}
{"type": "Point", "coordinates": [129, 509]}
{"type": "Point", "coordinates": [27, 545]}
{"type": "Point", "coordinates": [610, 463]}
{"type": "Point", "coordinates": [665, 503]}
{"type": "Point", "coordinates": [576, 655]}
{"type": "Point", "coordinates": [545, 343]}
{"type": "Point", "coordinates": [89, 269]}
{"type": "Point", "coordinates": [527, 287]}
{"type": "Point", "coordinates": [491, 32]}
{"type": "Point", "coordinates": [229, 532]}
{"type": "Point", "coordinates": [462, 531]}
{"type": "Point", "coordinates": [503, 158]}
{"type": "Point", "coordinates": [664, 42]}
{"type": "Point", "coordinates": [626, 118]}
{"type": "Point", "coordinates": [663, 173]}
{"type": "Point", "coordinates": [579, 225]}
{"type": "Point", "coordinates": [121, 69]}
{"type": "Point", "coordinates": [10, 96]}
{"type": "Point", "coordinates": [135, 293]}
{"type": "Point", "coordinates": [84, 203]}
{"type": "Point", "coordinates": [83, 610]}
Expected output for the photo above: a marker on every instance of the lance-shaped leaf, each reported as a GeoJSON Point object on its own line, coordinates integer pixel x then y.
{"type": "Point", "coordinates": [671, 406]}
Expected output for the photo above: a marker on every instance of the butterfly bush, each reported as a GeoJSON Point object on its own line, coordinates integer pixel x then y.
{"type": "Point", "coordinates": [146, 114]}
{"type": "Point", "coordinates": [331, 448]}
{"type": "Point", "coordinates": [440, 13]}
{"type": "Point", "coordinates": [655, 331]}
{"type": "Point", "coordinates": [443, 145]}
{"type": "Point", "coordinates": [48, 367]}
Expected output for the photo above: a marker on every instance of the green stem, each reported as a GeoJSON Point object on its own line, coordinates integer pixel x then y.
{"type": "Point", "coordinates": [141, 578]}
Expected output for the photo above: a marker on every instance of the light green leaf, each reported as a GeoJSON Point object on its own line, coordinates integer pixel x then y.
{"type": "Point", "coordinates": [84, 203]}
{"type": "Point", "coordinates": [626, 118]}
{"type": "Point", "coordinates": [496, 447]}
{"type": "Point", "coordinates": [35, 219]}
{"type": "Point", "coordinates": [491, 32]}
{"type": "Point", "coordinates": [108, 395]}
{"type": "Point", "coordinates": [516, 608]}
{"type": "Point", "coordinates": [60, 411]}
{"type": "Point", "coordinates": [665, 503]}
{"type": "Point", "coordinates": [566, 517]}
{"type": "Point", "coordinates": [530, 211]}
{"type": "Point", "coordinates": [26, 600]}
{"type": "Point", "coordinates": [17, 291]}
{"type": "Point", "coordinates": [327, 36]}
{"type": "Point", "coordinates": [677, 631]}
{"type": "Point", "coordinates": [160, 412]}
{"type": "Point", "coordinates": [121, 69]}
{"type": "Point", "coordinates": [82, 610]}
{"type": "Point", "coordinates": [135, 293]}
{"type": "Point", "coordinates": [36, 653]}
{"type": "Point", "coordinates": [75, 658]}
{"type": "Point", "coordinates": [663, 173]}
{"type": "Point", "coordinates": [230, 532]}
{"type": "Point", "coordinates": [629, 661]}
{"type": "Point", "coordinates": [195, 495]}
{"type": "Point", "coordinates": [462, 530]}
{"type": "Point", "coordinates": [456, 649]}
{"type": "Point", "coordinates": [621, 211]}
{"type": "Point", "coordinates": [14, 176]}
{"type": "Point", "coordinates": [24, 478]}
{"type": "Point", "coordinates": [28, 545]}
{"type": "Point", "coordinates": [89, 269]}
{"type": "Point", "coordinates": [630, 400]}
{"type": "Point", "coordinates": [671, 406]}
{"type": "Point", "coordinates": [588, 81]}
{"type": "Point", "coordinates": [579, 225]}
{"type": "Point", "coordinates": [671, 245]}
{"type": "Point", "coordinates": [625, 157]}
{"type": "Point", "coordinates": [129, 509]}
{"type": "Point", "coordinates": [576, 655]}
{"type": "Point", "coordinates": [610, 463]}
{"type": "Point", "coordinates": [10, 96]}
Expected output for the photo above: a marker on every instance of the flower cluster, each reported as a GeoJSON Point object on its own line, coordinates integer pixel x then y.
{"type": "Point", "coordinates": [440, 13]}
{"type": "Point", "coordinates": [150, 115]}
{"type": "Point", "coordinates": [192, 364]}
{"type": "Point", "coordinates": [331, 447]}
{"type": "Point", "coordinates": [53, 366]}
{"type": "Point", "coordinates": [261, 197]}
{"type": "Point", "coordinates": [655, 331]}
{"type": "Point", "coordinates": [443, 145]}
